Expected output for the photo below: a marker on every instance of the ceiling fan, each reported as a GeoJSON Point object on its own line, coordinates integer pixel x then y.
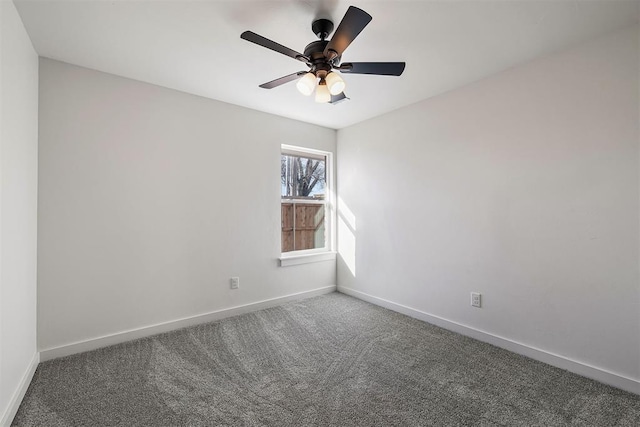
{"type": "Point", "coordinates": [323, 58]}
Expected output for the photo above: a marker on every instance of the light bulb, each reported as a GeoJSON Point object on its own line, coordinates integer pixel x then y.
{"type": "Point", "coordinates": [322, 92]}
{"type": "Point", "coordinates": [307, 84]}
{"type": "Point", "coordinates": [335, 83]}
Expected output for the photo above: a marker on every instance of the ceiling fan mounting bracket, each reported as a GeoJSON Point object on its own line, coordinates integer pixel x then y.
{"type": "Point", "coordinates": [322, 28]}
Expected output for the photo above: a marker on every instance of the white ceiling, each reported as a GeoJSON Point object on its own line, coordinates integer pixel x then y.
{"type": "Point", "coordinates": [195, 46]}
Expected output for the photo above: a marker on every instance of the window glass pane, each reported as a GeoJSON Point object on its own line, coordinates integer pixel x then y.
{"type": "Point", "coordinates": [302, 177]}
{"type": "Point", "coordinates": [303, 226]}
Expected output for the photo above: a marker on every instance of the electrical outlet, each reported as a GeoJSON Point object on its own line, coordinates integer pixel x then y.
{"type": "Point", "coordinates": [476, 299]}
{"type": "Point", "coordinates": [235, 282]}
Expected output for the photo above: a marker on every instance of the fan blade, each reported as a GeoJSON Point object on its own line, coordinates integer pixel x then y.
{"type": "Point", "coordinates": [379, 68]}
{"type": "Point", "coordinates": [270, 44]}
{"type": "Point", "coordinates": [338, 98]}
{"type": "Point", "coordinates": [282, 80]}
{"type": "Point", "coordinates": [351, 25]}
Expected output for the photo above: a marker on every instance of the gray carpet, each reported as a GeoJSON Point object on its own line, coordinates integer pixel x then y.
{"type": "Point", "coordinates": [326, 361]}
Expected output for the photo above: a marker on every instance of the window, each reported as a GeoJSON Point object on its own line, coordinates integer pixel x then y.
{"type": "Point", "coordinates": [305, 178]}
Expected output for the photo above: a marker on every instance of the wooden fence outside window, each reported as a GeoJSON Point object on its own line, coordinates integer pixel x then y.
{"type": "Point", "coordinates": [302, 226]}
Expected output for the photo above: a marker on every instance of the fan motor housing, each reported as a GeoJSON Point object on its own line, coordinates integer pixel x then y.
{"type": "Point", "coordinates": [320, 65]}
{"type": "Point", "coordinates": [315, 50]}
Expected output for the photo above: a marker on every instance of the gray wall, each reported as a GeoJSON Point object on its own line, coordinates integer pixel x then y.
{"type": "Point", "coordinates": [18, 210]}
{"type": "Point", "coordinates": [522, 186]}
{"type": "Point", "coordinates": [151, 199]}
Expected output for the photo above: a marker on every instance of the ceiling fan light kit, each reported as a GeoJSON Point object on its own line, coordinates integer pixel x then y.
{"type": "Point", "coordinates": [322, 92]}
{"type": "Point", "coordinates": [323, 57]}
{"type": "Point", "coordinates": [307, 84]}
{"type": "Point", "coordinates": [335, 83]}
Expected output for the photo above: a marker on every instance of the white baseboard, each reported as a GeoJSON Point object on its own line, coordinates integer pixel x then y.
{"type": "Point", "coordinates": [580, 368]}
{"type": "Point", "coordinates": [120, 337]}
{"type": "Point", "coordinates": [18, 395]}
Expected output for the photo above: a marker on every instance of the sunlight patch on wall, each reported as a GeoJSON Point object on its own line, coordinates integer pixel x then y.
{"type": "Point", "coordinates": [347, 236]}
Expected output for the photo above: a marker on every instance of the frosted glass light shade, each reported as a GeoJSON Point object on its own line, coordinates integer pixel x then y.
{"type": "Point", "coordinates": [335, 83]}
{"type": "Point", "coordinates": [322, 92]}
{"type": "Point", "coordinates": [307, 84]}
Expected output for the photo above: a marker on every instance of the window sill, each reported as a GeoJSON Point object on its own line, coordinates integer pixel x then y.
{"type": "Point", "coordinates": [288, 260]}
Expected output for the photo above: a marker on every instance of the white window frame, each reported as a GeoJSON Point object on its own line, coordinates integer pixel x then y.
{"type": "Point", "coordinates": [327, 252]}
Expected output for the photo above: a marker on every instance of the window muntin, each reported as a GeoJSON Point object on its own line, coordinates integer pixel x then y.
{"type": "Point", "coordinates": [304, 200]}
